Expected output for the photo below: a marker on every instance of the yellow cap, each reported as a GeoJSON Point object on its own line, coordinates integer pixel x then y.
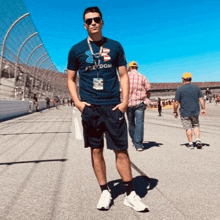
{"type": "Point", "coordinates": [187, 75]}
{"type": "Point", "coordinates": [133, 63]}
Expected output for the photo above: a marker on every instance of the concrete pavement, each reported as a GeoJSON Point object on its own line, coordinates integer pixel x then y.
{"type": "Point", "coordinates": [46, 173]}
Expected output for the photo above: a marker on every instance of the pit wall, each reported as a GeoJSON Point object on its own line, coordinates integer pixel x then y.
{"type": "Point", "coordinates": [15, 108]}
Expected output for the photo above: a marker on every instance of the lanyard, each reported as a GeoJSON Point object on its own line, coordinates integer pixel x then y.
{"type": "Point", "coordinates": [97, 65]}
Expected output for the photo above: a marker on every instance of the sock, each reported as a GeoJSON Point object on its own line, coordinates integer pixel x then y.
{"type": "Point", "coordinates": [104, 187]}
{"type": "Point", "coordinates": [190, 143]}
{"type": "Point", "coordinates": [128, 187]}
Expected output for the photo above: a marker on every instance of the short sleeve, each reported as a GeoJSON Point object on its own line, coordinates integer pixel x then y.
{"type": "Point", "coordinates": [121, 56]}
{"type": "Point", "coordinates": [200, 93]}
{"type": "Point", "coordinates": [72, 60]}
{"type": "Point", "coordinates": [177, 96]}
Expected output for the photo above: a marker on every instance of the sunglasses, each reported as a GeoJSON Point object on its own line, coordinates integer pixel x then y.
{"type": "Point", "coordinates": [96, 19]}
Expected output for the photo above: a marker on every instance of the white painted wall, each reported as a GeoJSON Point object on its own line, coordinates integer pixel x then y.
{"type": "Point", "coordinates": [13, 108]}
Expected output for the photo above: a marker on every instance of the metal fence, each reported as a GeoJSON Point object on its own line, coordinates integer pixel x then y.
{"type": "Point", "coordinates": [25, 65]}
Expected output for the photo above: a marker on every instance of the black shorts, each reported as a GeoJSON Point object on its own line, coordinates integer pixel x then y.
{"type": "Point", "coordinates": [98, 120]}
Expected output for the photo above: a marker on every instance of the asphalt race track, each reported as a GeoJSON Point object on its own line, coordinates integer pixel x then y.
{"type": "Point", "coordinates": [45, 172]}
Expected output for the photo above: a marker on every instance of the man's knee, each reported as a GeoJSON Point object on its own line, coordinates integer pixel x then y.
{"type": "Point", "coordinates": [122, 154]}
{"type": "Point", "coordinates": [196, 128]}
{"type": "Point", "coordinates": [97, 152]}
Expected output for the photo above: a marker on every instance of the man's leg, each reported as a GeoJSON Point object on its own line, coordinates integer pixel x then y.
{"type": "Point", "coordinates": [139, 128]}
{"type": "Point", "coordinates": [159, 111]}
{"type": "Point", "coordinates": [99, 166]}
{"type": "Point", "coordinates": [189, 135]}
{"type": "Point", "coordinates": [187, 125]}
{"type": "Point", "coordinates": [124, 168]}
{"type": "Point", "coordinates": [195, 125]}
{"type": "Point", "coordinates": [123, 165]}
{"type": "Point", "coordinates": [131, 122]}
{"type": "Point", "coordinates": [196, 132]}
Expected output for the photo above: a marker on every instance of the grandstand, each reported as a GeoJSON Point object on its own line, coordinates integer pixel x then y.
{"type": "Point", "coordinates": [167, 90]}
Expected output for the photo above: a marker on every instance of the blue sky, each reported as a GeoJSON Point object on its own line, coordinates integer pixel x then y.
{"type": "Point", "coordinates": [166, 38]}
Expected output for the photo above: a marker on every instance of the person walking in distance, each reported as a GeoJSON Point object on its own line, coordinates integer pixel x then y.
{"type": "Point", "coordinates": [36, 102]}
{"type": "Point", "coordinates": [190, 98]}
{"type": "Point", "coordinates": [47, 102]}
{"type": "Point", "coordinates": [159, 106]}
{"type": "Point", "coordinates": [97, 60]}
{"type": "Point", "coordinates": [138, 99]}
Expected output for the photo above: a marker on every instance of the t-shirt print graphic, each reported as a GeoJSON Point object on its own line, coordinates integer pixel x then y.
{"type": "Point", "coordinates": [89, 54]}
{"type": "Point", "coordinates": [105, 52]}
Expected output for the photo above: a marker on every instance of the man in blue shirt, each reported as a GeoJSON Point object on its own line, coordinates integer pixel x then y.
{"type": "Point", "coordinates": [97, 60]}
{"type": "Point", "coordinates": [190, 97]}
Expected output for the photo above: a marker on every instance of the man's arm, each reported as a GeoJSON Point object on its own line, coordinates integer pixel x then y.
{"type": "Point", "coordinates": [175, 108]}
{"type": "Point", "coordinates": [72, 87]}
{"type": "Point", "coordinates": [147, 86]}
{"type": "Point", "coordinates": [202, 104]}
{"type": "Point", "coordinates": [125, 86]}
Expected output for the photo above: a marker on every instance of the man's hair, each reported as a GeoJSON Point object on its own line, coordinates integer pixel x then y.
{"type": "Point", "coordinates": [187, 79]}
{"type": "Point", "coordinates": [92, 9]}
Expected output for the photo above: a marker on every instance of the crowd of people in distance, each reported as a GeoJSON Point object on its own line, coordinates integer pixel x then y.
{"type": "Point", "coordinates": [56, 102]}
{"type": "Point", "coordinates": [217, 98]}
{"type": "Point", "coordinates": [161, 103]}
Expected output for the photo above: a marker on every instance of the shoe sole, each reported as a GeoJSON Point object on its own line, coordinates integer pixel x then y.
{"type": "Point", "coordinates": [129, 205]}
{"type": "Point", "coordinates": [104, 206]}
{"type": "Point", "coordinates": [103, 209]}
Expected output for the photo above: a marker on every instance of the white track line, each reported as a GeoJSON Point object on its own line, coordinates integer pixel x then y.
{"type": "Point", "coordinates": [78, 133]}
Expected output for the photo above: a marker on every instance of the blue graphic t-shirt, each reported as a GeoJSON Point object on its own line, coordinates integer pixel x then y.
{"type": "Point", "coordinates": [188, 96]}
{"type": "Point", "coordinates": [80, 59]}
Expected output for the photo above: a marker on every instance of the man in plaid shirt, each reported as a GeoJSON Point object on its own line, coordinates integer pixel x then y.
{"type": "Point", "coordinates": [138, 99]}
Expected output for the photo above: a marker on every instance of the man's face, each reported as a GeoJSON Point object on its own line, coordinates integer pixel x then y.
{"type": "Point", "coordinates": [93, 22]}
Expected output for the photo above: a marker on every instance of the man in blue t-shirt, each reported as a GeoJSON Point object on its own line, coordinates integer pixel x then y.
{"type": "Point", "coordinates": [97, 60]}
{"type": "Point", "coordinates": [190, 97]}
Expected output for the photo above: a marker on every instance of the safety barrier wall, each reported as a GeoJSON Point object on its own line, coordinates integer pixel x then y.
{"type": "Point", "coordinates": [14, 108]}
{"type": "Point", "coordinates": [26, 67]}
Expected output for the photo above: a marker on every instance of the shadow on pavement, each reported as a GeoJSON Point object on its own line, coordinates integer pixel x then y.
{"type": "Point", "coordinates": [149, 144]}
{"type": "Point", "coordinates": [141, 185]}
{"type": "Point", "coordinates": [33, 161]}
{"type": "Point", "coordinates": [58, 132]}
{"type": "Point", "coordinates": [194, 144]}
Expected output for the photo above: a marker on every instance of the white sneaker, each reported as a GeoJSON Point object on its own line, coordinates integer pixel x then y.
{"type": "Point", "coordinates": [134, 201]}
{"type": "Point", "coordinates": [105, 200]}
{"type": "Point", "coordinates": [140, 149]}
